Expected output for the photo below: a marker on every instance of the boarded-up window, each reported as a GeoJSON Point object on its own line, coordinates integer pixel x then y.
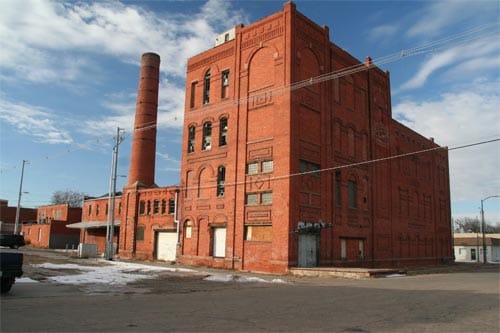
{"type": "Point", "coordinates": [189, 229]}
{"type": "Point", "coordinates": [251, 199]}
{"type": "Point", "coordinates": [140, 233]}
{"type": "Point", "coordinates": [259, 233]}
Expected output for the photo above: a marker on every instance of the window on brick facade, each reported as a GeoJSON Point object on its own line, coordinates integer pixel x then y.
{"type": "Point", "coordinates": [140, 233]}
{"type": "Point", "coordinates": [338, 189]}
{"type": "Point", "coordinates": [221, 178]}
{"type": "Point", "coordinates": [193, 95]}
{"type": "Point", "coordinates": [191, 136]}
{"type": "Point", "coordinates": [107, 209]}
{"type": "Point", "coordinates": [96, 210]}
{"type": "Point", "coordinates": [207, 136]}
{"type": "Point", "coordinates": [163, 206]}
{"type": "Point", "coordinates": [251, 199]}
{"type": "Point", "coordinates": [223, 131]}
{"type": "Point", "coordinates": [206, 88]}
{"type": "Point", "coordinates": [225, 83]}
{"type": "Point", "coordinates": [267, 166]}
{"type": "Point", "coordinates": [259, 233]}
{"type": "Point", "coordinates": [156, 206]}
{"type": "Point", "coordinates": [188, 229]}
{"type": "Point", "coordinates": [148, 207]}
{"type": "Point", "coordinates": [119, 208]}
{"type": "Point", "coordinates": [352, 194]}
{"type": "Point", "coordinates": [309, 168]}
{"type": "Point", "coordinates": [142, 207]}
{"type": "Point", "coordinates": [266, 198]}
{"type": "Point", "coordinates": [171, 206]}
{"type": "Point", "coordinates": [252, 168]}
{"type": "Point", "coordinates": [90, 210]}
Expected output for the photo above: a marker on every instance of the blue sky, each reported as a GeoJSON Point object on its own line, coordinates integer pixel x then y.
{"type": "Point", "coordinates": [69, 74]}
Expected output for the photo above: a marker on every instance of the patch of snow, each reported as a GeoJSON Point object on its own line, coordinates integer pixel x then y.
{"type": "Point", "coordinates": [242, 279]}
{"type": "Point", "coordinates": [26, 280]}
{"type": "Point", "coordinates": [395, 275]}
{"type": "Point", "coordinates": [114, 273]}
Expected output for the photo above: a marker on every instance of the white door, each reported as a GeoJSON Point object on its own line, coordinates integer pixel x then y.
{"type": "Point", "coordinates": [219, 242]}
{"type": "Point", "coordinates": [166, 246]}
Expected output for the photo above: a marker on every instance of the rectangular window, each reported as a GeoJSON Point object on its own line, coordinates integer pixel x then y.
{"type": "Point", "coordinates": [259, 233]}
{"type": "Point", "coordinates": [148, 207]}
{"type": "Point", "coordinates": [267, 166]}
{"type": "Point", "coordinates": [90, 210]}
{"type": "Point", "coordinates": [252, 168]}
{"type": "Point", "coordinates": [171, 206]}
{"type": "Point", "coordinates": [140, 233]}
{"type": "Point", "coordinates": [191, 136]}
{"type": "Point", "coordinates": [267, 198]}
{"type": "Point", "coordinates": [309, 168]}
{"type": "Point", "coordinates": [163, 206]}
{"type": "Point", "coordinates": [352, 195]}
{"type": "Point", "coordinates": [189, 231]}
{"type": "Point", "coordinates": [142, 207]}
{"type": "Point", "coordinates": [225, 83]}
{"type": "Point", "coordinates": [343, 249]}
{"type": "Point", "coordinates": [338, 187]}
{"type": "Point", "coordinates": [156, 206]}
{"type": "Point", "coordinates": [207, 136]}
{"type": "Point", "coordinates": [193, 94]}
{"type": "Point", "coordinates": [119, 208]}
{"type": "Point", "coordinates": [96, 210]}
{"type": "Point", "coordinates": [223, 132]}
{"type": "Point", "coordinates": [251, 199]}
{"type": "Point", "coordinates": [107, 209]}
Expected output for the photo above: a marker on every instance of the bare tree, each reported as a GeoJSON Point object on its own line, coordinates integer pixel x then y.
{"type": "Point", "coordinates": [73, 198]}
{"type": "Point", "coordinates": [467, 224]}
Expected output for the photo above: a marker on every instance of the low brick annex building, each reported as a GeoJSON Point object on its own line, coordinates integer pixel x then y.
{"type": "Point", "coordinates": [278, 124]}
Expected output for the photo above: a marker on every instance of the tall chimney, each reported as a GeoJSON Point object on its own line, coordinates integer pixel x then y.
{"type": "Point", "coordinates": [142, 157]}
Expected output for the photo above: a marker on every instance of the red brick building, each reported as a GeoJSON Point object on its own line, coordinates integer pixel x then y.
{"type": "Point", "coordinates": [50, 231]}
{"type": "Point", "coordinates": [271, 158]}
{"type": "Point", "coordinates": [8, 216]}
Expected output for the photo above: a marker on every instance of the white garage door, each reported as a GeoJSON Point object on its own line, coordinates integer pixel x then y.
{"type": "Point", "coordinates": [166, 246]}
{"type": "Point", "coordinates": [219, 242]}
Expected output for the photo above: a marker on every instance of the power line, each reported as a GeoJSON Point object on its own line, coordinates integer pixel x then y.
{"type": "Point", "coordinates": [350, 165]}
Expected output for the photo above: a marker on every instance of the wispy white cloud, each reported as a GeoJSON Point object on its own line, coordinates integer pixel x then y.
{"type": "Point", "coordinates": [44, 36]}
{"type": "Point", "coordinates": [457, 118]}
{"type": "Point", "coordinates": [383, 33]}
{"type": "Point", "coordinates": [480, 55]}
{"type": "Point", "coordinates": [439, 15]}
{"type": "Point", "coordinates": [34, 121]}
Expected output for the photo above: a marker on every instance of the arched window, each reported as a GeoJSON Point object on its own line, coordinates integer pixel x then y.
{"type": "Point", "coordinates": [221, 177]}
{"type": "Point", "coordinates": [191, 134]}
{"type": "Point", "coordinates": [206, 88]}
{"type": "Point", "coordinates": [207, 136]}
{"type": "Point", "coordinates": [223, 132]}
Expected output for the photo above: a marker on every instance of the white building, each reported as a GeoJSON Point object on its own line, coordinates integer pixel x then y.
{"type": "Point", "coordinates": [468, 247]}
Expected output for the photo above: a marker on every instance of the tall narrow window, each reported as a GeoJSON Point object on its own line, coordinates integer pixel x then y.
{"type": "Point", "coordinates": [148, 207]}
{"type": "Point", "coordinates": [171, 206]}
{"type": "Point", "coordinates": [119, 208]}
{"type": "Point", "coordinates": [191, 134]}
{"type": "Point", "coordinates": [140, 233]}
{"type": "Point", "coordinates": [193, 94]}
{"type": "Point", "coordinates": [353, 195]}
{"type": "Point", "coordinates": [163, 206]}
{"type": "Point", "coordinates": [223, 132]}
{"type": "Point", "coordinates": [206, 88]}
{"type": "Point", "coordinates": [90, 210]}
{"type": "Point", "coordinates": [225, 83]}
{"type": "Point", "coordinates": [207, 136]}
{"type": "Point", "coordinates": [107, 209]}
{"type": "Point", "coordinates": [96, 210]}
{"type": "Point", "coordinates": [156, 206]}
{"type": "Point", "coordinates": [221, 177]}
{"type": "Point", "coordinates": [338, 197]}
{"type": "Point", "coordinates": [142, 207]}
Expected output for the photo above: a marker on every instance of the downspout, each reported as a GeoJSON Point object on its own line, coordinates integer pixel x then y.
{"type": "Point", "coordinates": [176, 220]}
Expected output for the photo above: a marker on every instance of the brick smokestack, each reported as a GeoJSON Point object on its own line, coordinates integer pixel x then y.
{"type": "Point", "coordinates": [142, 157]}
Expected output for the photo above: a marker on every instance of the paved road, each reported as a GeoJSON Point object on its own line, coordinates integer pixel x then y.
{"type": "Point", "coordinates": [456, 302]}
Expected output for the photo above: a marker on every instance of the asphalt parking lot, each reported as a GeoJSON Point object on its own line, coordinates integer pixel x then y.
{"type": "Point", "coordinates": [452, 299]}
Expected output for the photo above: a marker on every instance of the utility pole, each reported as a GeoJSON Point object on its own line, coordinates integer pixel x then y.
{"type": "Point", "coordinates": [482, 225]}
{"type": "Point", "coordinates": [18, 210]}
{"type": "Point", "coordinates": [111, 199]}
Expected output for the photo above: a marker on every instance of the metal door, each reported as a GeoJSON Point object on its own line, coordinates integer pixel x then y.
{"type": "Point", "coordinates": [308, 250]}
{"type": "Point", "coordinates": [166, 246]}
{"type": "Point", "coordinates": [219, 249]}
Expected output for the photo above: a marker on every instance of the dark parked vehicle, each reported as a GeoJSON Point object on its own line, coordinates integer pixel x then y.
{"type": "Point", "coordinates": [12, 241]}
{"type": "Point", "coordinates": [11, 263]}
